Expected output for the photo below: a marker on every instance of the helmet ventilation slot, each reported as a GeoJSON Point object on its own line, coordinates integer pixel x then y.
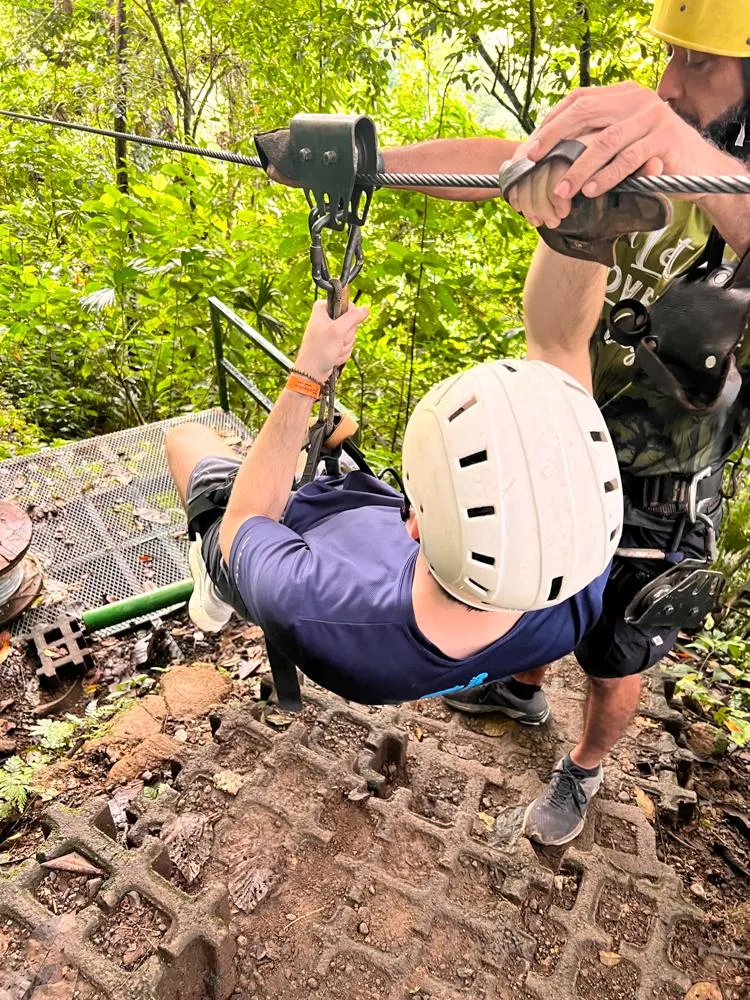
{"type": "Point", "coordinates": [555, 588]}
{"type": "Point", "coordinates": [598, 435]}
{"type": "Point", "coordinates": [480, 511]}
{"type": "Point", "coordinates": [476, 586]}
{"type": "Point", "coordinates": [615, 532]}
{"type": "Point", "coordinates": [462, 409]}
{"type": "Point", "coordinates": [475, 459]}
{"type": "Point", "coordinates": [610, 486]}
{"type": "Point", "coordinates": [480, 557]}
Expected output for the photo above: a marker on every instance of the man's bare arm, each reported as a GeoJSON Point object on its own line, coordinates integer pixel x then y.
{"type": "Point", "coordinates": [562, 301]}
{"type": "Point", "coordinates": [265, 478]}
{"type": "Point", "coordinates": [480, 155]}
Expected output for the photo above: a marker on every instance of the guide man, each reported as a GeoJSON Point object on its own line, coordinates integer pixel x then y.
{"type": "Point", "coordinates": [672, 437]}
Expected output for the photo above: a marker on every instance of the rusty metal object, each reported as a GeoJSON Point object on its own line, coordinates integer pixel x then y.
{"type": "Point", "coordinates": [64, 651]}
{"type": "Point", "coordinates": [20, 576]}
{"type": "Point", "coordinates": [15, 535]}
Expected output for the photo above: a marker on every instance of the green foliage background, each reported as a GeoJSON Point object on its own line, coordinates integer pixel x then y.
{"type": "Point", "coordinates": [103, 291]}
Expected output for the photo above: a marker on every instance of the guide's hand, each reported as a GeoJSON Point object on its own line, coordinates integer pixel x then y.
{"type": "Point", "coordinates": [534, 197]}
{"type": "Point", "coordinates": [327, 342]}
{"type": "Point", "coordinates": [636, 133]}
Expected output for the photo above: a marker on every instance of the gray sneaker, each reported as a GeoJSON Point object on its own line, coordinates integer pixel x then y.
{"type": "Point", "coordinates": [496, 697]}
{"type": "Point", "coordinates": [558, 814]}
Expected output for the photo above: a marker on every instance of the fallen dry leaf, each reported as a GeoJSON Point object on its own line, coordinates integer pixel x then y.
{"type": "Point", "coordinates": [152, 515]}
{"type": "Point", "coordinates": [247, 886]}
{"type": "Point", "coordinates": [73, 862]}
{"type": "Point", "coordinates": [609, 958]}
{"type": "Point", "coordinates": [228, 781]}
{"type": "Point", "coordinates": [492, 727]}
{"type": "Point", "coordinates": [279, 719]}
{"type": "Point", "coordinates": [645, 803]}
{"type": "Point", "coordinates": [188, 839]}
{"type": "Point", "coordinates": [5, 646]}
{"type": "Point", "coordinates": [489, 821]}
{"type": "Point", "coordinates": [358, 794]}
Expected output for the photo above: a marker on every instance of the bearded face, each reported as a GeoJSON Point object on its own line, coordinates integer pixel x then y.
{"type": "Point", "coordinates": [712, 94]}
{"type": "Point", "coordinates": [726, 130]}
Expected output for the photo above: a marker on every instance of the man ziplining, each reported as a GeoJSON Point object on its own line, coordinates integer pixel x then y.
{"type": "Point", "coordinates": [674, 421]}
{"type": "Point", "coordinates": [383, 596]}
{"type": "Point", "coordinates": [672, 425]}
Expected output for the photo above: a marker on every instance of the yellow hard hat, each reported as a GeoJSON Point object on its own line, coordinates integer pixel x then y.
{"type": "Point", "coordinates": [721, 27]}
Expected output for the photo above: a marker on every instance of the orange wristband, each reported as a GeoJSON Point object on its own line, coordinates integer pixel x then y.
{"type": "Point", "coordinates": [304, 386]}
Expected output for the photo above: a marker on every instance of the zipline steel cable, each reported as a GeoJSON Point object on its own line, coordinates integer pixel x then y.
{"type": "Point", "coordinates": [677, 184]}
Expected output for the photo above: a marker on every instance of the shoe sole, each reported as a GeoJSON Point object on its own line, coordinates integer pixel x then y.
{"type": "Point", "coordinates": [198, 616]}
{"type": "Point", "coordinates": [552, 843]}
{"type": "Point", "coordinates": [509, 713]}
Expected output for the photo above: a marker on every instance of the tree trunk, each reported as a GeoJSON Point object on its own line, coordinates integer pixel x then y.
{"type": "Point", "coordinates": [121, 95]}
{"type": "Point", "coordinates": [584, 52]}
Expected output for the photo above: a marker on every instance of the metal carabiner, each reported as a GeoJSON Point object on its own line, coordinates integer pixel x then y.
{"type": "Point", "coordinates": [321, 275]}
{"type": "Point", "coordinates": [692, 502]}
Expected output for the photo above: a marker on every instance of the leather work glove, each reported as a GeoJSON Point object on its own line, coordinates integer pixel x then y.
{"type": "Point", "coordinates": [590, 230]}
{"type": "Point", "coordinates": [274, 150]}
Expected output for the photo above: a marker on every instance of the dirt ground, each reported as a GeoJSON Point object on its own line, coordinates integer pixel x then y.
{"type": "Point", "coordinates": [374, 852]}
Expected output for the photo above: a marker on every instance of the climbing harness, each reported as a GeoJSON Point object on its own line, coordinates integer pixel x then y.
{"type": "Point", "coordinates": [686, 344]}
{"type": "Point", "coordinates": [687, 590]}
{"type": "Point", "coordinates": [687, 341]}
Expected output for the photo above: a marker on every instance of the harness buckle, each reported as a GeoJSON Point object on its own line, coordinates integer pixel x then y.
{"type": "Point", "coordinates": [692, 499]}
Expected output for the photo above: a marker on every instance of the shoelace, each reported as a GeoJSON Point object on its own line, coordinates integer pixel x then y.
{"type": "Point", "coordinates": [564, 786]}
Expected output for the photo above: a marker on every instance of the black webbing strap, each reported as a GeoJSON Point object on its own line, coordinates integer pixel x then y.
{"type": "Point", "coordinates": [285, 679]}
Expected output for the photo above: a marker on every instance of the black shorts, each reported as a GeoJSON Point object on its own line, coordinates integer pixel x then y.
{"type": "Point", "coordinates": [613, 647]}
{"type": "Point", "coordinates": [208, 492]}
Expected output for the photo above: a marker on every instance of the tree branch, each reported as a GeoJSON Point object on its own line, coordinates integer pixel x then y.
{"type": "Point", "coordinates": [521, 115]}
{"type": "Point", "coordinates": [530, 88]}
{"type": "Point", "coordinates": [176, 76]}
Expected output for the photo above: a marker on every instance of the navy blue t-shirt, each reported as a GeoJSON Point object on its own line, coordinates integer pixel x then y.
{"type": "Point", "coordinates": [331, 588]}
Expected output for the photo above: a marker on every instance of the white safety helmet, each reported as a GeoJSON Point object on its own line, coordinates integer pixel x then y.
{"type": "Point", "coordinates": [514, 481]}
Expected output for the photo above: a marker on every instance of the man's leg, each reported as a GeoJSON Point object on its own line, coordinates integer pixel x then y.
{"type": "Point", "coordinates": [610, 705]}
{"type": "Point", "coordinates": [613, 653]}
{"type": "Point", "coordinates": [197, 452]}
{"type": "Point", "coordinates": [534, 678]}
{"type": "Point", "coordinates": [186, 445]}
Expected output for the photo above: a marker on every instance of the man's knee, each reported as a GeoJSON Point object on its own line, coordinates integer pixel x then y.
{"type": "Point", "coordinates": [615, 689]}
{"type": "Point", "coordinates": [179, 435]}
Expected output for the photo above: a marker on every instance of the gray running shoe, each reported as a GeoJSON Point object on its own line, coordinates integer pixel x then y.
{"type": "Point", "coordinates": [496, 697]}
{"type": "Point", "coordinates": [559, 813]}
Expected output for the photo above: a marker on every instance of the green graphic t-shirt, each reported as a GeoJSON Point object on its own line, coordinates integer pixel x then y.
{"type": "Point", "coordinates": [651, 433]}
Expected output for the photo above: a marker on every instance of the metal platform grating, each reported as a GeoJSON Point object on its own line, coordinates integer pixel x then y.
{"type": "Point", "coordinates": [108, 523]}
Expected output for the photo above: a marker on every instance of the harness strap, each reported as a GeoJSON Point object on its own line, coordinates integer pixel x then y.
{"type": "Point", "coordinates": [285, 679]}
{"type": "Point", "coordinates": [648, 360]}
{"type": "Point", "coordinates": [669, 495]}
